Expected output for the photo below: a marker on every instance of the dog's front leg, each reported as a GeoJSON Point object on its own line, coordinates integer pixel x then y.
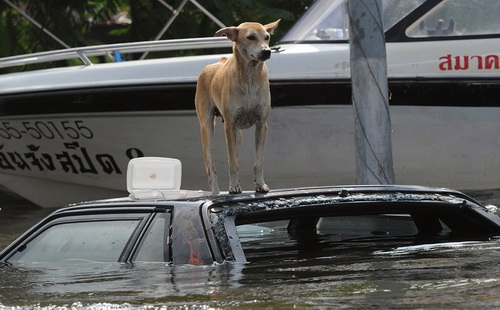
{"type": "Point", "coordinates": [260, 140]}
{"type": "Point", "coordinates": [233, 141]}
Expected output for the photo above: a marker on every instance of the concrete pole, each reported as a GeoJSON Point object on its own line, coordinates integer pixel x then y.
{"type": "Point", "coordinates": [370, 93]}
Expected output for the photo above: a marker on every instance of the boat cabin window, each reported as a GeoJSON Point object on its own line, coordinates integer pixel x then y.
{"type": "Point", "coordinates": [328, 20]}
{"type": "Point", "coordinates": [458, 18]}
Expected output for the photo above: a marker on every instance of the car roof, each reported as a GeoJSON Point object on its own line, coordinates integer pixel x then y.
{"type": "Point", "coordinates": [357, 193]}
{"type": "Point", "coordinates": [427, 206]}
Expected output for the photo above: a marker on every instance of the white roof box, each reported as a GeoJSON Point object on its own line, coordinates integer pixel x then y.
{"type": "Point", "coordinates": [157, 178]}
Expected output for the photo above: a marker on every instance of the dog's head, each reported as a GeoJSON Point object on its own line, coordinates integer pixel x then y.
{"type": "Point", "coordinates": [251, 39]}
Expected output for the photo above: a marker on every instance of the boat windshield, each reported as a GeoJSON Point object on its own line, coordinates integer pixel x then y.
{"type": "Point", "coordinates": [328, 20]}
{"type": "Point", "coordinates": [458, 18]}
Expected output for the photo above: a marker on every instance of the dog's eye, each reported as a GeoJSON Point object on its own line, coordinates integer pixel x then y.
{"type": "Point", "coordinates": [266, 38]}
{"type": "Point", "coordinates": [251, 38]}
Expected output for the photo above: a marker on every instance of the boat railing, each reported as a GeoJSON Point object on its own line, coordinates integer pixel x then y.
{"type": "Point", "coordinates": [114, 51]}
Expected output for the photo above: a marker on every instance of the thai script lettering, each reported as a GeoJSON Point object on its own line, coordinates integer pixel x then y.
{"type": "Point", "coordinates": [450, 62]}
{"type": "Point", "coordinates": [73, 159]}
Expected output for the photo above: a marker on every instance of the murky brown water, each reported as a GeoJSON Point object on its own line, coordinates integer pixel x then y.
{"type": "Point", "coordinates": [381, 273]}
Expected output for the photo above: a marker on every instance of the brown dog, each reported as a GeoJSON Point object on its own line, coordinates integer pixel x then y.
{"type": "Point", "coordinates": [237, 88]}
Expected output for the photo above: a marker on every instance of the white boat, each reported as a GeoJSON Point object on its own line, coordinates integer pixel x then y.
{"type": "Point", "coordinates": [67, 134]}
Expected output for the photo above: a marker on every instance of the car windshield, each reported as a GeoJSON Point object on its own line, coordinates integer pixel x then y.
{"type": "Point", "coordinates": [328, 20]}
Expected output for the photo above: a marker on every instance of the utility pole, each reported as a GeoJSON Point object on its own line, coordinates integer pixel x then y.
{"type": "Point", "coordinates": [370, 93]}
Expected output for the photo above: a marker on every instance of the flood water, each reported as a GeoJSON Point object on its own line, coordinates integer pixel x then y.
{"type": "Point", "coordinates": [358, 273]}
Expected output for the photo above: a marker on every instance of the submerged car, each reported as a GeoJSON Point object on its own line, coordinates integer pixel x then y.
{"type": "Point", "coordinates": [158, 222]}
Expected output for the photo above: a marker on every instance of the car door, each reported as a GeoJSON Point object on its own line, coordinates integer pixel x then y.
{"type": "Point", "coordinates": [112, 237]}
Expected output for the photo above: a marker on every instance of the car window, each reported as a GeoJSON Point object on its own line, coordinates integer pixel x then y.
{"type": "Point", "coordinates": [101, 241]}
{"type": "Point", "coordinates": [155, 245]}
{"type": "Point", "coordinates": [275, 241]}
{"type": "Point", "coordinates": [458, 18]}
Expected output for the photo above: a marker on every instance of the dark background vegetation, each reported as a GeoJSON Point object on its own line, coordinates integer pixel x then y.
{"type": "Point", "coordinates": [83, 23]}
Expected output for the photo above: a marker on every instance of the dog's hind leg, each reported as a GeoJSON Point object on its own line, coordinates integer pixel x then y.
{"type": "Point", "coordinates": [207, 141]}
{"type": "Point", "coordinates": [207, 134]}
{"type": "Point", "coordinates": [260, 139]}
{"type": "Point", "coordinates": [206, 116]}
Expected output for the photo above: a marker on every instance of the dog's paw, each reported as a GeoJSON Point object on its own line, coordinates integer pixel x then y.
{"type": "Point", "coordinates": [262, 188]}
{"type": "Point", "coordinates": [236, 189]}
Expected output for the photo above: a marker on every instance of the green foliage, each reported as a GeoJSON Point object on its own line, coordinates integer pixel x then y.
{"type": "Point", "coordinates": [4, 34]}
{"type": "Point", "coordinates": [81, 23]}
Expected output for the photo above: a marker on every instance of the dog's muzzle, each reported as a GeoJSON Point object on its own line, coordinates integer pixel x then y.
{"type": "Point", "coordinates": [265, 54]}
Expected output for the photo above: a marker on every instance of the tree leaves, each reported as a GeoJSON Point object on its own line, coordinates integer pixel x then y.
{"type": "Point", "coordinates": [81, 23]}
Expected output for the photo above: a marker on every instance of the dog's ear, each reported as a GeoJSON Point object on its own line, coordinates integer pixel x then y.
{"type": "Point", "coordinates": [230, 32]}
{"type": "Point", "coordinates": [270, 27]}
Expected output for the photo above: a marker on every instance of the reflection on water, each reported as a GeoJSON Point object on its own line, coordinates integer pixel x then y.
{"type": "Point", "coordinates": [365, 273]}
{"type": "Point", "coordinates": [90, 283]}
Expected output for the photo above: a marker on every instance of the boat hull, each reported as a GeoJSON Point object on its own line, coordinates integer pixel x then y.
{"type": "Point", "coordinates": [67, 133]}
{"type": "Point", "coordinates": [53, 159]}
